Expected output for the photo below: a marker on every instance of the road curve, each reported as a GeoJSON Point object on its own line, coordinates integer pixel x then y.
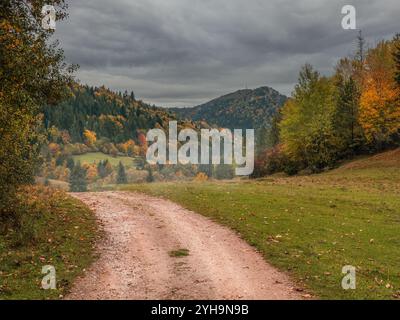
{"type": "Point", "coordinates": [135, 259]}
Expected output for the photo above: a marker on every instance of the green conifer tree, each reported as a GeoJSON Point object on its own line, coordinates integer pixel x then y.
{"type": "Point", "coordinates": [78, 180]}
{"type": "Point", "coordinates": [121, 174]}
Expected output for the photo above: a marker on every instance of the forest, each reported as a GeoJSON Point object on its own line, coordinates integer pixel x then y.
{"type": "Point", "coordinates": [330, 119]}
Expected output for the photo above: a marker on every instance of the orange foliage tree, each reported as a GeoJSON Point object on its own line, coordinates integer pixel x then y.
{"type": "Point", "coordinates": [379, 109]}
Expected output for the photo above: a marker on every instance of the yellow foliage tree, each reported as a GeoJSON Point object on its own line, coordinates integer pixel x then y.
{"type": "Point", "coordinates": [90, 138]}
{"type": "Point", "coordinates": [130, 147]}
{"type": "Point", "coordinates": [54, 149]}
{"type": "Point", "coordinates": [91, 171]}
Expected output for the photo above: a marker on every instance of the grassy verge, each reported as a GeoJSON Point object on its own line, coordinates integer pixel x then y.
{"type": "Point", "coordinates": [311, 226]}
{"type": "Point", "coordinates": [56, 230]}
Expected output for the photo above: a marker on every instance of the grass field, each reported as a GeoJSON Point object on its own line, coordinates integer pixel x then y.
{"type": "Point", "coordinates": [56, 230]}
{"type": "Point", "coordinates": [312, 226]}
{"type": "Point", "coordinates": [96, 157]}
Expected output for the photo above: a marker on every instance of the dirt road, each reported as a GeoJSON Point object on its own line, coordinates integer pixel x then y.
{"type": "Point", "coordinates": [136, 259]}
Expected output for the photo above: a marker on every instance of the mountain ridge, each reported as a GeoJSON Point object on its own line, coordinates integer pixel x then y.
{"type": "Point", "coordinates": [241, 109]}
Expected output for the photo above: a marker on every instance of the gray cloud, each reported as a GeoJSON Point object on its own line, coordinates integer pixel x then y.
{"type": "Point", "coordinates": [182, 53]}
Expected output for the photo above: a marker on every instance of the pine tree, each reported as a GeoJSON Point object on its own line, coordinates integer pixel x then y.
{"type": "Point", "coordinates": [70, 163]}
{"type": "Point", "coordinates": [360, 53]}
{"type": "Point", "coordinates": [345, 117]}
{"type": "Point", "coordinates": [101, 169]}
{"type": "Point", "coordinates": [104, 168]}
{"type": "Point", "coordinates": [78, 180]}
{"type": "Point", "coordinates": [121, 175]}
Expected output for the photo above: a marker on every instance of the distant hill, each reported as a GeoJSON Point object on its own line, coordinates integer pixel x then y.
{"type": "Point", "coordinates": [243, 109]}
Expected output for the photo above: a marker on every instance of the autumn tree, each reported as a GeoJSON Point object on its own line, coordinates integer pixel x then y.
{"type": "Point", "coordinates": [89, 138]}
{"type": "Point", "coordinates": [379, 106]}
{"type": "Point", "coordinates": [32, 74]}
{"type": "Point", "coordinates": [130, 147]}
{"type": "Point", "coordinates": [91, 171]}
{"type": "Point", "coordinates": [306, 126]}
{"type": "Point", "coordinates": [143, 144]}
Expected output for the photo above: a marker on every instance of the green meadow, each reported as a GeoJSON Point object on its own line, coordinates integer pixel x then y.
{"type": "Point", "coordinates": [313, 226]}
{"type": "Point", "coordinates": [96, 157]}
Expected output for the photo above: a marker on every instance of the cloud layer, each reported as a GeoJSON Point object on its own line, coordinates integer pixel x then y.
{"type": "Point", "coordinates": [182, 53]}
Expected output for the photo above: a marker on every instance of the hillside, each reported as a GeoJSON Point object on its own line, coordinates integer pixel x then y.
{"type": "Point", "coordinates": [101, 129]}
{"type": "Point", "coordinates": [388, 159]}
{"type": "Point", "coordinates": [114, 116]}
{"type": "Point", "coordinates": [243, 109]}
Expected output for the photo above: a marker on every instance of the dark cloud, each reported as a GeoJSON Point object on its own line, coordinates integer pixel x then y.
{"type": "Point", "coordinates": [180, 52]}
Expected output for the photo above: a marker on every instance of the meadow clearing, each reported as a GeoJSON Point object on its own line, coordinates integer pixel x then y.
{"type": "Point", "coordinates": [96, 157]}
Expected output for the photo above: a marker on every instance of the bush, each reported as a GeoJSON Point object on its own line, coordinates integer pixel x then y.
{"type": "Point", "coordinates": [201, 177]}
{"type": "Point", "coordinates": [275, 160]}
{"type": "Point", "coordinates": [291, 167]}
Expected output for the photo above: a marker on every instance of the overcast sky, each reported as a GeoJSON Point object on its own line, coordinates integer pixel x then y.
{"type": "Point", "coordinates": [186, 52]}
